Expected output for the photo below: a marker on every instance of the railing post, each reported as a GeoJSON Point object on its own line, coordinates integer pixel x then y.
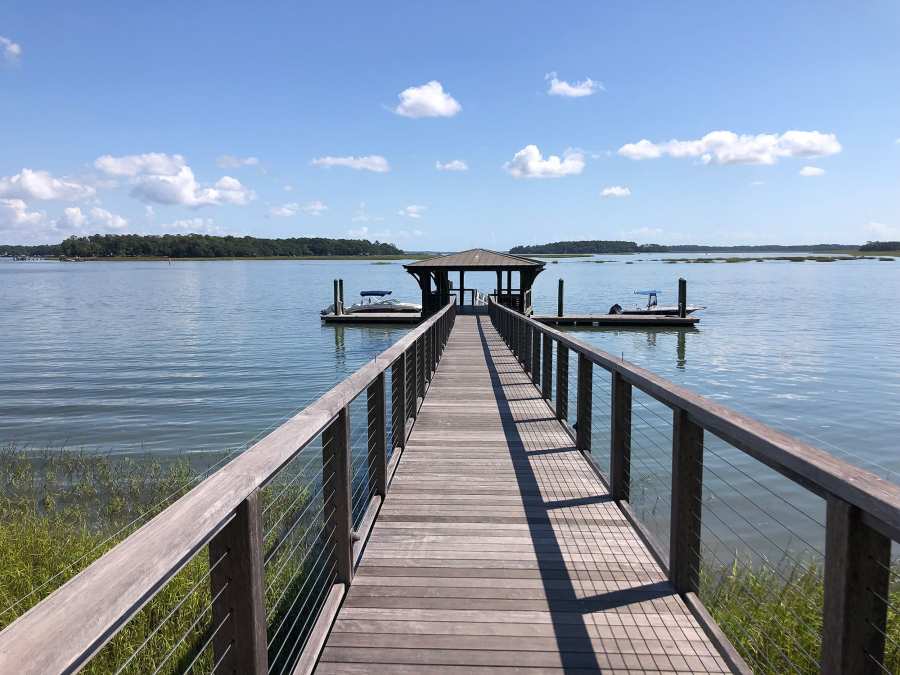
{"type": "Point", "coordinates": [584, 403]}
{"type": "Point", "coordinates": [535, 356]}
{"type": "Point", "coordinates": [410, 356]}
{"type": "Point", "coordinates": [620, 438]}
{"type": "Point", "coordinates": [562, 381]}
{"type": "Point", "coordinates": [237, 586]}
{"type": "Point", "coordinates": [420, 367]}
{"type": "Point", "coordinates": [857, 580]}
{"type": "Point", "coordinates": [526, 346]}
{"type": "Point", "coordinates": [398, 402]}
{"type": "Point", "coordinates": [687, 495]}
{"type": "Point", "coordinates": [337, 493]}
{"type": "Point", "coordinates": [377, 432]}
{"type": "Point", "coordinates": [547, 365]}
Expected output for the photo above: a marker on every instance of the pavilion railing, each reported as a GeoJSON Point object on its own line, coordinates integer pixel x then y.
{"type": "Point", "coordinates": [245, 573]}
{"type": "Point", "coordinates": [800, 580]}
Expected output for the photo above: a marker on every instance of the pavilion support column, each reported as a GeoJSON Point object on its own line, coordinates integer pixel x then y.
{"type": "Point", "coordinates": [499, 288]}
{"type": "Point", "coordinates": [462, 288]}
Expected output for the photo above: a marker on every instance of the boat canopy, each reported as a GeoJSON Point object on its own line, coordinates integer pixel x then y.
{"type": "Point", "coordinates": [646, 292]}
{"type": "Point", "coordinates": [379, 294]}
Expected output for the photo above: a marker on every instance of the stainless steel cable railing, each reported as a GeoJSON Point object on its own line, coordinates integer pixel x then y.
{"type": "Point", "coordinates": [789, 548]}
{"type": "Point", "coordinates": [246, 571]}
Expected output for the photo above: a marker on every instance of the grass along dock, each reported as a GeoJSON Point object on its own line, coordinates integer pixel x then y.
{"type": "Point", "coordinates": [437, 513]}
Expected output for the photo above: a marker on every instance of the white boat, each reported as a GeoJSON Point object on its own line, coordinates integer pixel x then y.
{"type": "Point", "coordinates": [653, 307]}
{"type": "Point", "coordinates": [373, 302]}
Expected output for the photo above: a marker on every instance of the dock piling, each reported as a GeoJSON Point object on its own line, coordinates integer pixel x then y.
{"type": "Point", "coordinates": [559, 299]}
{"type": "Point", "coordinates": [682, 298]}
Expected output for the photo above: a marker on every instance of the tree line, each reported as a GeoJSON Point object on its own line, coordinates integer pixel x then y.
{"type": "Point", "coordinates": [880, 246]}
{"type": "Point", "coordinates": [613, 246]}
{"type": "Point", "coordinates": [202, 246]}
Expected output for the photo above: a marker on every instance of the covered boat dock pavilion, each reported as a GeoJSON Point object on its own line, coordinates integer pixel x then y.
{"type": "Point", "coordinates": [433, 277]}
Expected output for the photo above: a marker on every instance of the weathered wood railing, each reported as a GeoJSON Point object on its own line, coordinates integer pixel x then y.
{"type": "Point", "coordinates": [225, 515]}
{"type": "Point", "coordinates": [862, 515]}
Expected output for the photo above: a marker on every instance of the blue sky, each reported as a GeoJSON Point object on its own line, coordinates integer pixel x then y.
{"type": "Point", "coordinates": [174, 117]}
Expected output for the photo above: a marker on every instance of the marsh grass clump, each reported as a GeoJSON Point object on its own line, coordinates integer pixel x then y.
{"type": "Point", "coordinates": [772, 613]}
{"type": "Point", "coordinates": [61, 510]}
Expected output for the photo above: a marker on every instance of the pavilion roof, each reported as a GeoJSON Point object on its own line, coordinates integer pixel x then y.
{"type": "Point", "coordinates": [476, 259]}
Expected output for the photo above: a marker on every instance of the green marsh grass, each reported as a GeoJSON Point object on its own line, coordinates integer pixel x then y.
{"type": "Point", "coordinates": [774, 617]}
{"type": "Point", "coordinates": [61, 510]}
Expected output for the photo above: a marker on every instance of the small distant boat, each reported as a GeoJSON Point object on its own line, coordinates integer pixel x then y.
{"type": "Point", "coordinates": [374, 302]}
{"type": "Point", "coordinates": [653, 307]}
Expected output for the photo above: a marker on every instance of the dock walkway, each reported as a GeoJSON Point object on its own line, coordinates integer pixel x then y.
{"type": "Point", "coordinates": [498, 550]}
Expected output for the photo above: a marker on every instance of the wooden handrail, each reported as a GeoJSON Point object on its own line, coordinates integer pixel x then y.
{"type": "Point", "coordinates": [863, 510]}
{"type": "Point", "coordinates": [63, 631]}
{"type": "Point", "coordinates": [805, 464]}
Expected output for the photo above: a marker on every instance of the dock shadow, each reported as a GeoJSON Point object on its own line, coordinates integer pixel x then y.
{"type": "Point", "coordinates": [573, 638]}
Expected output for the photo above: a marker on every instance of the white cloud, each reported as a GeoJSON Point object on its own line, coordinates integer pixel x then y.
{"type": "Point", "coordinates": [375, 163]}
{"type": "Point", "coordinates": [452, 165]}
{"type": "Point", "coordinates": [529, 163]}
{"type": "Point", "coordinates": [572, 89]}
{"type": "Point", "coordinates": [192, 226]}
{"type": "Point", "coordinates": [285, 210]}
{"type": "Point", "coordinates": [757, 183]}
{"type": "Point", "coordinates": [429, 100]}
{"type": "Point", "coordinates": [150, 212]}
{"type": "Point", "coordinates": [812, 171]}
{"type": "Point", "coordinates": [151, 163]}
{"type": "Point", "coordinates": [73, 218]}
{"type": "Point", "coordinates": [232, 162]}
{"type": "Point", "coordinates": [28, 184]}
{"type": "Point", "coordinates": [615, 191]}
{"type": "Point", "coordinates": [313, 208]}
{"type": "Point", "coordinates": [288, 188]}
{"type": "Point", "coordinates": [382, 235]}
{"type": "Point", "coordinates": [14, 214]}
{"type": "Point", "coordinates": [883, 231]}
{"type": "Point", "coordinates": [183, 189]}
{"type": "Point", "coordinates": [412, 211]}
{"type": "Point", "coordinates": [727, 147]}
{"type": "Point", "coordinates": [103, 218]}
{"type": "Point", "coordinates": [96, 220]}
{"type": "Point", "coordinates": [11, 50]}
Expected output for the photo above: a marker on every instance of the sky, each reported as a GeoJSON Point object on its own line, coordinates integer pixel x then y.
{"type": "Point", "coordinates": [447, 127]}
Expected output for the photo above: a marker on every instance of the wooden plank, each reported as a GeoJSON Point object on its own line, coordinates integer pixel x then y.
{"type": "Point", "coordinates": [857, 579]}
{"type": "Point", "coordinates": [562, 381]}
{"type": "Point", "coordinates": [620, 438]}
{"type": "Point", "coordinates": [584, 402]}
{"type": "Point", "coordinates": [687, 496]}
{"type": "Point", "coordinates": [237, 584]}
{"type": "Point", "coordinates": [377, 447]}
{"type": "Point", "coordinates": [336, 493]}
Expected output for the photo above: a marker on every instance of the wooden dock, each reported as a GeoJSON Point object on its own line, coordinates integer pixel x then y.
{"type": "Point", "coordinates": [632, 320]}
{"type": "Point", "coordinates": [498, 548]}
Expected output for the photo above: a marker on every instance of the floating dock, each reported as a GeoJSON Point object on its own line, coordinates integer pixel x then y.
{"type": "Point", "coordinates": [374, 317]}
{"type": "Point", "coordinates": [642, 320]}
{"type": "Point", "coordinates": [618, 320]}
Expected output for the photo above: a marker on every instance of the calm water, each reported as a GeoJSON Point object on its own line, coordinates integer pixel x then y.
{"type": "Point", "coordinates": [146, 356]}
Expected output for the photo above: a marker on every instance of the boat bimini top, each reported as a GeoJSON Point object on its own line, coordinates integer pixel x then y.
{"type": "Point", "coordinates": [377, 294]}
{"type": "Point", "coordinates": [651, 300]}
